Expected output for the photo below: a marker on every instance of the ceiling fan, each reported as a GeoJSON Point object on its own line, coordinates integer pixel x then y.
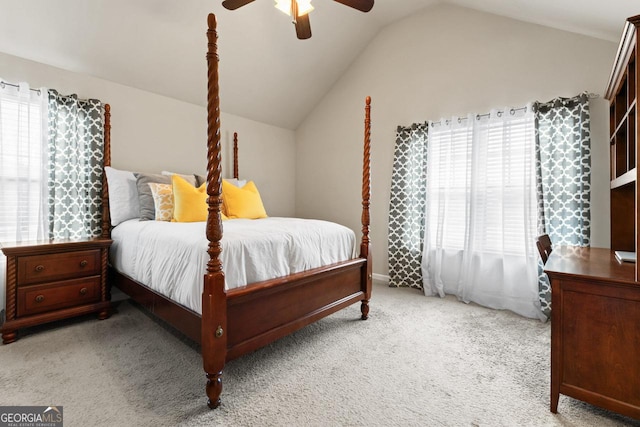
{"type": "Point", "coordinates": [299, 11]}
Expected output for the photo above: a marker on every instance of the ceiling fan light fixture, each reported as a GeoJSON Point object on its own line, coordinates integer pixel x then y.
{"type": "Point", "coordinates": [304, 6]}
{"type": "Point", "coordinates": [284, 6]}
{"type": "Point", "coordinates": [299, 10]}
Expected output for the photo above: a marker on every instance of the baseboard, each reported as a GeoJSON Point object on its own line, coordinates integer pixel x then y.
{"type": "Point", "coordinates": [381, 278]}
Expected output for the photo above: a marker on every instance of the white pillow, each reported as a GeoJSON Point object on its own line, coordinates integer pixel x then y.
{"type": "Point", "coordinates": [237, 182]}
{"type": "Point", "coordinates": [191, 179]}
{"type": "Point", "coordinates": [123, 195]}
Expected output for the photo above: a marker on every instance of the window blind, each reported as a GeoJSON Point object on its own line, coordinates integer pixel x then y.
{"type": "Point", "coordinates": [22, 163]}
{"type": "Point", "coordinates": [481, 184]}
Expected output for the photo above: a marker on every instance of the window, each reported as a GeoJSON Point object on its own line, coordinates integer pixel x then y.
{"type": "Point", "coordinates": [481, 210]}
{"type": "Point", "coordinates": [448, 185]}
{"type": "Point", "coordinates": [472, 193]}
{"type": "Point", "coordinates": [23, 161]}
{"type": "Point", "coordinates": [481, 183]}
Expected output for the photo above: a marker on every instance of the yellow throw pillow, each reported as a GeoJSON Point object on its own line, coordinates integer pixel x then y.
{"type": "Point", "coordinates": [242, 202]}
{"type": "Point", "coordinates": [189, 202]}
{"type": "Point", "coordinates": [162, 200]}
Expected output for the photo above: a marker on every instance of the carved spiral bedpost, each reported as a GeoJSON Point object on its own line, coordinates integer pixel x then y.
{"type": "Point", "coordinates": [106, 220]}
{"type": "Point", "coordinates": [214, 303]}
{"type": "Point", "coordinates": [235, 156]}
{"type": "Point", "coordinates": [365, 246]}
{"type": "Point", "coordinates": [9, 335]}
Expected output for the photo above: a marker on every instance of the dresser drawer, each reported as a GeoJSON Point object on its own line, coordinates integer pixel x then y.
{"type": "Point", "coordinates": [52, 296]}
{"type": "Point", "coordinates": [58, 266]}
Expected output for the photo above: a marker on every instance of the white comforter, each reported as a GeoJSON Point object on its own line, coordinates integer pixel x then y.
{"type": "Point", "coordinates": [171, 258]}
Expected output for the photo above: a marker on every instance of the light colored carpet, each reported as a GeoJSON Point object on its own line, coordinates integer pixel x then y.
{"type": "Point", "coordinates": [417, 361]}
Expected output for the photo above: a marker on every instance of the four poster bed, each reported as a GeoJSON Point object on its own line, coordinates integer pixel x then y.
{"type": "Point", "coordinates": [242, 319]}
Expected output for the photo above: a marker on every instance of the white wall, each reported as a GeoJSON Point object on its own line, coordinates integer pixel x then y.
{"type": "Point", "coordinates": [151, 133]}
{"type": "Point", "coordinates": [266, 155]}
{"type": "Point", "coordinates": [442, 62]}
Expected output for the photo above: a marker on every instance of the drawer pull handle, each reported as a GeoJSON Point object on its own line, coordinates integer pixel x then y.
{"type": "Point", "coordinates": [40, 298]}
{"type": "Point", "coordinates": [39, 268]}
{"type": "Point", "coordinates": [83, 263]}
{"type": "Point", "coordinates": [83, 291]}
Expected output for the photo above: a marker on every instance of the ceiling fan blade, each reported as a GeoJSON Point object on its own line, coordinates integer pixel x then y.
{"type": "Point", "coordinates": [234, 4]}
{"type": "Point", "coordinates": [361, 5]}
{"type": "Point", "coordinates": [303, 27]}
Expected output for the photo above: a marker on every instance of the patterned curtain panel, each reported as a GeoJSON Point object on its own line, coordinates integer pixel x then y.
{"type": "Point", "coordinates": [407, 206]}
{"type": "Point", "coordinates": [76, 150]}
{"type": "Point", "coordinates": [563, 175]}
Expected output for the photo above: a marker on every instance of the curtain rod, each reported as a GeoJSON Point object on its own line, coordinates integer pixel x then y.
{"type": "Point", "coordinates": [3, 84]}
{"type": "Point", "coordinates": [512, 111]}
{"type": "Point", "coordinates": [499, 113]}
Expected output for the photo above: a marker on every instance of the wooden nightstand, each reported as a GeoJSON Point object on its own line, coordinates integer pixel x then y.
{"type": "Point", "coordinates": [53, 280]}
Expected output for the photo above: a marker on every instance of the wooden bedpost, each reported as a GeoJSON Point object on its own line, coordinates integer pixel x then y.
{"type": "Point", "coordinates": [214, 299]}
{"type": "Point", "coordinates": [235, 156]}
{"type": "Point", "coordinates": [106, 220]}
{"type": "Point", "coordinates": [365, 246]}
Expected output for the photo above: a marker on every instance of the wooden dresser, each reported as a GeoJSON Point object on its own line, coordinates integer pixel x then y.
{"type": "Point", "coordinates": [595, 329]}
{"type": "Point", "coordinates": [53, 280]}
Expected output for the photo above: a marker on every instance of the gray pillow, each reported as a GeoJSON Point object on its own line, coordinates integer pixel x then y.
{"type": "Point", "coordinates": [145, 197]}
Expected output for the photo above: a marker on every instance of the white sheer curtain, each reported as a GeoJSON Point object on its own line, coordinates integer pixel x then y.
{"type": "Point", "coordinates": [23, 167]}
{"type": "Point", "coordinates": [481, 211]}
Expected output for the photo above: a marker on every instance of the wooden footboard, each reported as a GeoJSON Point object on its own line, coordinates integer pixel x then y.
{"type": "Point", "coordinates": [264, 312]}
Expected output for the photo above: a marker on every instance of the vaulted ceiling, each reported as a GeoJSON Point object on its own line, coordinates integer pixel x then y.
{"type": "Point", "coordinates": [266, 74]}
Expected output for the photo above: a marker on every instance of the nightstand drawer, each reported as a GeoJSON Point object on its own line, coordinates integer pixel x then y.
{"type": "Point", "coordinates": [58, 266]}
{"type": "Point", "coordinates": [52, 296]}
